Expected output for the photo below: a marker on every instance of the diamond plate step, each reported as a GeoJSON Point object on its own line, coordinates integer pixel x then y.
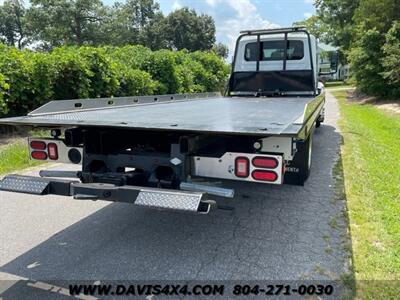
{"type": "Point", "coordinates": [184, 201]}
{"type": "Point", "coordinates": [25, 184]}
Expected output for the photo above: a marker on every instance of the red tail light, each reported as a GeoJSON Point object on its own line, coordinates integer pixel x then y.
{"type": "Point", "coordinates": [264, 175]}
{"type": "Point", "coordinates": [265, 162]}
{"type": "Point", "coordinates": [38, 145]}
{"type": "Point", "coordinates": [242, 167]}
{"type": "Point", "coordinates": [41, 155]}
{"type": "Point", "coordinates": [53, 151]}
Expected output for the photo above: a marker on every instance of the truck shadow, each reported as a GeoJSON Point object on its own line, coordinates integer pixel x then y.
{"type": "Point", "coordinates": [273, 233]}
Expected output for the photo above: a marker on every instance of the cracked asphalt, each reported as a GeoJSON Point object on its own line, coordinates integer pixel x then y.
{"type": "Point", "coordinates": [273, 233]}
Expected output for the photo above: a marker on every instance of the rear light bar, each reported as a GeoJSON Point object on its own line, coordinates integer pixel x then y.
{"type": "Point", "coordinates": [253, 167]}
{"type": "Point", "coordinates": [265, 162]}
{"type": "Point", "coordinates": [51, 149]}
{"type": "Point", "coordinates": [264, 175]}
{"type": "Point", "coordinates": [258, 163]}
{"type": "Point", "coordinates": [242, 167]}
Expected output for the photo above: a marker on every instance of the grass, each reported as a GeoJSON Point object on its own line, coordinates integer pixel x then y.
{"type": "Point", "coordinates": [15, 156]}
{"type": "Point", "coordinates": [370, 156]}
{"type": "Point", "coordinates": [337, 84]}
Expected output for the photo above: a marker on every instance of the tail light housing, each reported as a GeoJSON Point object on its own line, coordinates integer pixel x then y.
{"type": "Point", "coordinates": [40, 155]}
{"type": "Point", "coordinates": [242, 167]}
{"type": "Point", "coordinates": [52, 150]}
{"type": "Point", "coordinates": [265, 162]}
{"type": "Point", "coordinates": [43, 150]}
{"type": "Point", "coordinates": [263, 168]}
{"type": "Point", "coordinates": [264, 175]}
{"type": "Point", "coordinates": [38, 145]}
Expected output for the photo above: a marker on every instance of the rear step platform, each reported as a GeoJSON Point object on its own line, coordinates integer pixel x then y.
{"type": "Point", "coordinates": [35, 185]}
{"type": "Point", "coordinates": [175, 200]}
{"type": "Point", "coordinates": [142, 196]}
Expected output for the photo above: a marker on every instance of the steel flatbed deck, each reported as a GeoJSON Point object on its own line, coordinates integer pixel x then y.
{"type": "Point", "coordinates": [204, 113]}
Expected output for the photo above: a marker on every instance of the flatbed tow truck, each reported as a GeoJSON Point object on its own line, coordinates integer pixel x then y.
{"type": "Point", "coordinates": [168, 151]}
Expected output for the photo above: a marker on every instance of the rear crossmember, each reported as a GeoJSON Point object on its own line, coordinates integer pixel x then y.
{"type": "Point", "coordinates": [154, 179]}
{"type": "Point", "coordinates": [189, 201]}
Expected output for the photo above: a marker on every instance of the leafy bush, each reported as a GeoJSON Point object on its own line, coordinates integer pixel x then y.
{"type": "Point", "coordinates": [136, 82]}
{"type": "Point", "coordinates": [72, 77]}
{"type": "Point", "coordinates": [16, 67]}
{"type": "Point", "coordinates": [216, 71]}
{"type": "Point", "coordinates": [30, 79]}
{"type": "Point", "coordinates": [43, 74]}
{"type": "Point", "coordinates": [186, 71]}
{"type": "Point", "coordinates": [161, 66]}
{"type": "Point", "coordinates": [103, 77]}
{"type": "Point", "coordinates": [3, 90]}
{"type": "Point", "coordinates": [84, 72]}
{"type": "Point", "coordinates": [134, 56]}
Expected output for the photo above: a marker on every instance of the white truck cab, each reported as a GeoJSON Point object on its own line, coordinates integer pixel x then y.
{"type": "Point", "coordinates": [285, 54]}
{"type": "Point", "coordinates": [272, 52]}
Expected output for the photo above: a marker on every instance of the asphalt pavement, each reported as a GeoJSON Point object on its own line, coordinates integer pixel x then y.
{"type": "Point", "coordinates": [273, 233]}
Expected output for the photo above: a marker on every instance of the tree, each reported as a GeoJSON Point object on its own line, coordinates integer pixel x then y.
{"type": "Point", "coordinates": [152, 35]}
{"type": "Point", "coordinates": [13, 29]}
{"type": "Point", "coordinates": [221, 50]}
{"type": "Point", "coordinates": [376, 14]}
{"type": "Point", "coordinates": [373, 19]}
{"type": "Point", "coordinates": [362, 28]}
{"type": "Point", "coordinates": [142, 12]}
{"type": "Point", "coordinates": [51, 23]}
{"type": "Point", "coordinates": [186, 30]}
{"type": "Point", "coordinates": [316, 27]}
{"type": "Point", "coordinates": [136, 21]}
{"type": "Point", "coordinates": [60, 22]}
{"type": "Point", "coordinates": [365, 63]}
{"type": "Point", "coordinates": [391, 60]}
{"type": "Point", "coordinates": [337, 15]}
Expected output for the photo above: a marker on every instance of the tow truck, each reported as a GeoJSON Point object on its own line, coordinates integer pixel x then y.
{"type": "Point", "coordinates": [172, 151]}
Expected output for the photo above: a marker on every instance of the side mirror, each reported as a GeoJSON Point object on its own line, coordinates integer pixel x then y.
{"type": "Point", "coordinates": [334, 60]}
{"type": "Point", "coordinates": [334, 64]}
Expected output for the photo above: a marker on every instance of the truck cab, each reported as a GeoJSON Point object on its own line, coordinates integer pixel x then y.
{"type": "Point", "coordinates": [279, 62]}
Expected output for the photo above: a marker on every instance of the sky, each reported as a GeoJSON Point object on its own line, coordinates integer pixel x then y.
{"type": "Point", "coordinates": [232, 16]}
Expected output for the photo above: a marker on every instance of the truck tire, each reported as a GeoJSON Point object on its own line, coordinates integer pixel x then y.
{"type": "Point", "coordinates": [299, 169]}
{"type": "Point", "coordinates": [318, 123]}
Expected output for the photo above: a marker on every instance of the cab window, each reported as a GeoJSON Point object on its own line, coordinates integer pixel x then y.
{"type": "Point", "coordinates": [275, 50]}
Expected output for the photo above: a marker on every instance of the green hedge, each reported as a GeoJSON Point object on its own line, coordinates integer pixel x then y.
{"type": "Point", "coordinates": [29, 79]}
{"type": "Point", "coordinates": [3, 90]}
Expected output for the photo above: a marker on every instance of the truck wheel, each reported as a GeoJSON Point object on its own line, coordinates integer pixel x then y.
{"type": "Point", "coordinates": [318, 123]}
{"type": "Point", "coordinates": [299, 169]}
